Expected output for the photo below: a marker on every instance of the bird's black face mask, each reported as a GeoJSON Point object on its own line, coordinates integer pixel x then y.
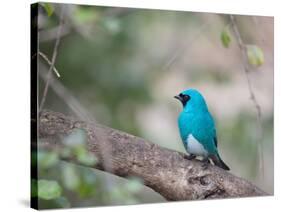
{"type": "Point", "coordinates": [184, 98]}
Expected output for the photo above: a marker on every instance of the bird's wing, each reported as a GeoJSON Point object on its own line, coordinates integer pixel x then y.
{"type": "Point", "coordinates": [216, 141]}
{"type": "Point", "coordinates": [205, 132]}
{"type": "Point", "coordinates": [202, 128]}
{"type": "Point", "coordinates": [215, 137]}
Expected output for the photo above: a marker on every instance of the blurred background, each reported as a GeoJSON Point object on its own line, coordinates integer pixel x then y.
{"type": "Point", "coordinates": [121, 67]}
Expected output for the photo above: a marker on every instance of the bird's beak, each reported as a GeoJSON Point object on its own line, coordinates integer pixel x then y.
{"type": "Point", "coordinates": [178, 97]}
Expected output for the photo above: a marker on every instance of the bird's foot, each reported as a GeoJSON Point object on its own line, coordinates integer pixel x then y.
{"type": "Point", "coordinates": [205, 163]}
{"type": "Point", "coordinates": [189, 157]}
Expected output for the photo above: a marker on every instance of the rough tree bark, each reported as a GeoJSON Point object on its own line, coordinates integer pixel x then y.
{"type": "Point", "coordinates": [165, 171]}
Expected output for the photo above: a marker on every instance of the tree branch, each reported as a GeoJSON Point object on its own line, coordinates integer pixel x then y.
{"type": "Point", "coordinates": [165, 171]}
{"type": "Point", "coordinates": [44, 56]}
{"type": "Point", "coordinates": [246, 67]}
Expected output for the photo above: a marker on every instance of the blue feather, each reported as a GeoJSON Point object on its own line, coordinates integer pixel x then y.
{"type": "Point", "coordinates": [196, 120]}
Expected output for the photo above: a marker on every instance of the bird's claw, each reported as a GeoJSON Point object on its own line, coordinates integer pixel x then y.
{"type": "Point", "coordinates": [189, 157]}
{"type": "Point", "coordinates": [205, 163]}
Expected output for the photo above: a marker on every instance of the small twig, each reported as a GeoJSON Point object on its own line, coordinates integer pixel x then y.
{"type": "Point", "coordinates": [47, 35]}
{"type": "Point", "coordinates": [243, 50]}
{"type": "Point", "coordinates": [81, 112]}
{"type": "Point", "coordinates": [65, 95]}
{"type": "Point", "coordinates": [49, 62]}
{"type": "Point", "coordinates": [53, 59]}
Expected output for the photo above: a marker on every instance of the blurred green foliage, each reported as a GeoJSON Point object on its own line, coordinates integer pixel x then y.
{"type": "Point", "coordinates": [85, 15]}
{"type": "Point", "coordinates": [72, 181]}
{"type": "Point", "coordinates": [76, 145]}
{"type": "Point", "coordinates": [241, 138]}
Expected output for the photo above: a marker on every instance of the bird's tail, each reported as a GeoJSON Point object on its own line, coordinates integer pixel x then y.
{"type": "Point", "coordinates": [218, 162]}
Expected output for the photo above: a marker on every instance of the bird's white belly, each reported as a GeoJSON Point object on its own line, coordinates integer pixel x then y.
{"type": "Point", "coordinates": [195, 147]}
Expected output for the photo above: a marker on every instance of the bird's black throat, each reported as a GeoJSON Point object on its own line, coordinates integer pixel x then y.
{"type": "Point", "coordinates": [183, 98]}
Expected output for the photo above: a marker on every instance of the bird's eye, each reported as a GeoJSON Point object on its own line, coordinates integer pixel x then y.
{"type": "Point", "coordinates": [186, 98]}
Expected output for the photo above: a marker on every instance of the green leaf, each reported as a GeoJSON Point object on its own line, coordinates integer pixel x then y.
{"type": "Point", "coordinates": [47, 159]}
{"type": "Point", "coordinates": [88, 184]}
{"type": "Point", "coordinates": [255, 55]}
{"type": "Point", "coordinates": [70, 176]}
{"type": "Point", "coordinates": [225, 37]}
{"type": "Point", "coordinates": [84, 157]}
{"type": "Point", "coordinates": [76, 142]}
{"type": "Point", "coordinates": [48, 8]}
{"type": "Point", "coordinates": [48, 189]}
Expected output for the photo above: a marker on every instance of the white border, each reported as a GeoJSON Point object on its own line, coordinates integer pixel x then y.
{"type": "Point", "coordinates": [15, 88]}
{"type": "Point", "coordinates": [219, 6]}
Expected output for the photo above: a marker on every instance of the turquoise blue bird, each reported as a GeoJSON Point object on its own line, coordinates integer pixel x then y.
{"type": "Point", "coordinates": [197, 129]}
